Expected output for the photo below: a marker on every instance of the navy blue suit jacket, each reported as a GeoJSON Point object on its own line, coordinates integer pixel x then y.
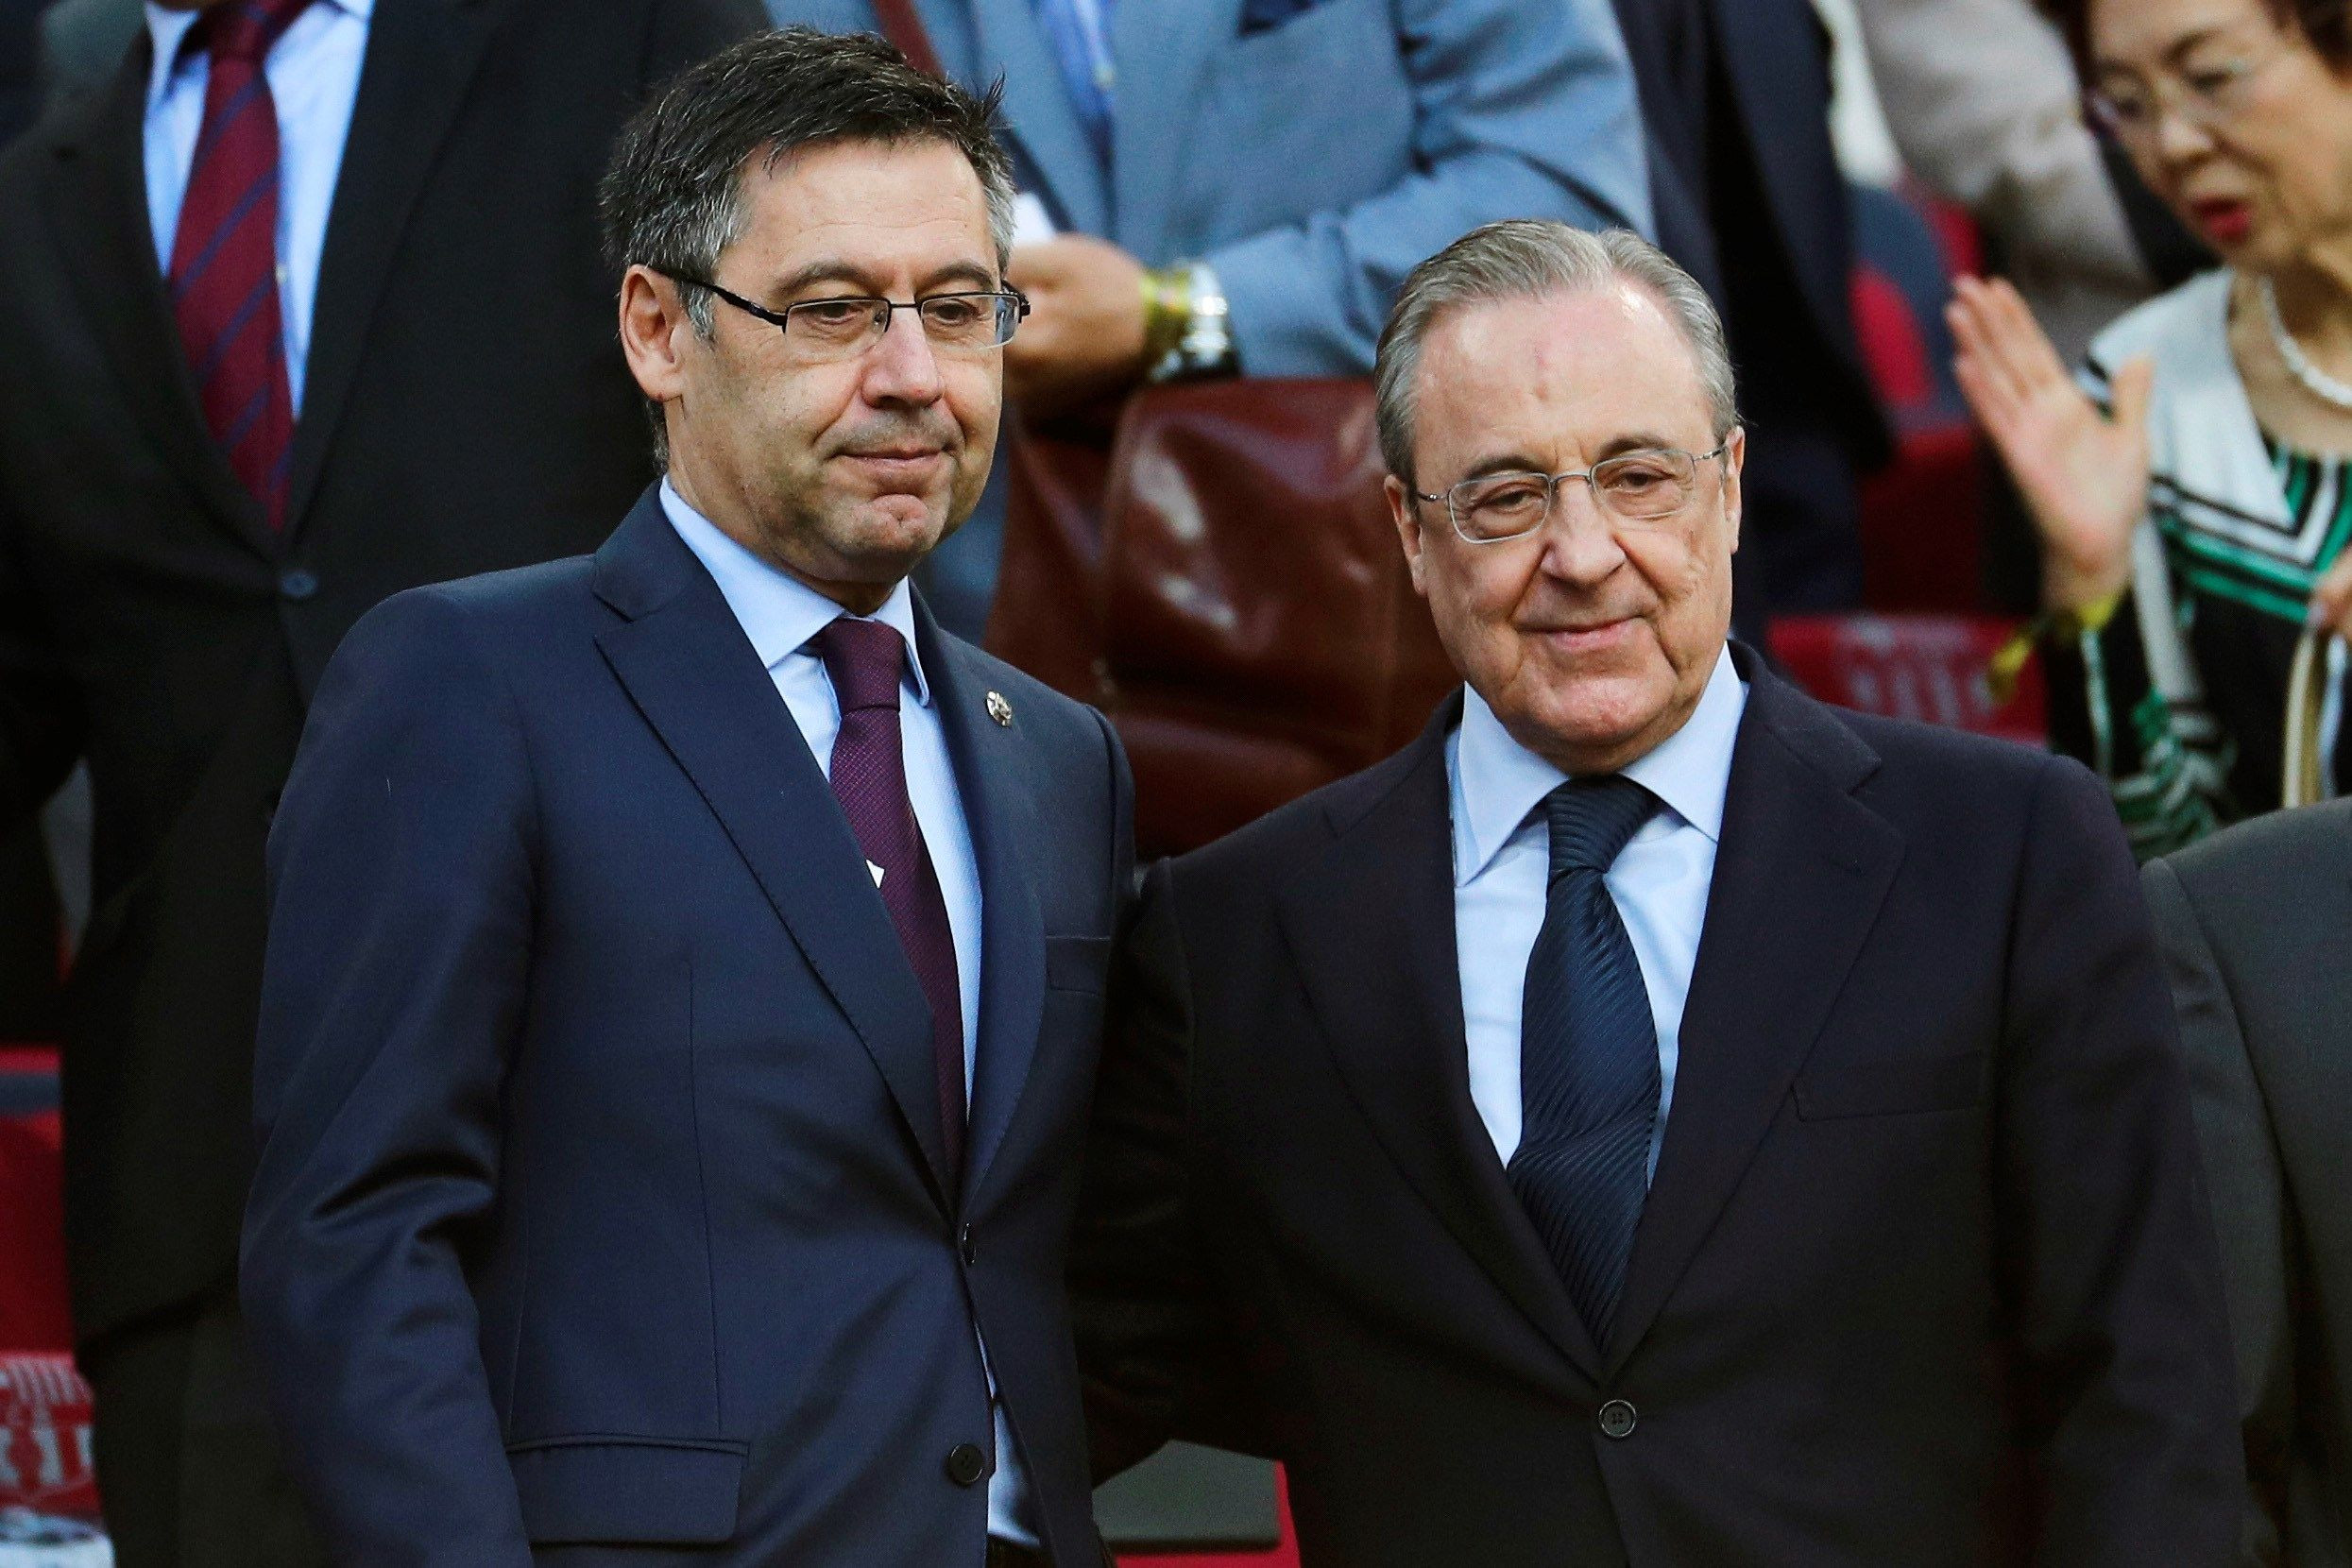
{"type": "Point", "coordinates": [601, 1207]}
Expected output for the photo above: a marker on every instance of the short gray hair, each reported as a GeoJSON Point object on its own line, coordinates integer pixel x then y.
{"type": "Point", "coordinates": [1527, 258]}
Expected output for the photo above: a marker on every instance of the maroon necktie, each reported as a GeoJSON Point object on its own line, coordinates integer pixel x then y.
{"type": "Point", "coordinates": [865, 659]}
{"type": "Point", "coordinates": [225, 256]}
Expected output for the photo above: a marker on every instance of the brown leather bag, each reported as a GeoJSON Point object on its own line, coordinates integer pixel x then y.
{"type": "Point", "coordinates": [1224, 579]}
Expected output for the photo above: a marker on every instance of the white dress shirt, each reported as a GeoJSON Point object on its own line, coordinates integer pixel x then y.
{"type": "Point", "coordinates": [314, 77]}
{"type": "Point", "coordinates": [1502, 862]}
{"type": "Point", "coordinates": [779, 614]}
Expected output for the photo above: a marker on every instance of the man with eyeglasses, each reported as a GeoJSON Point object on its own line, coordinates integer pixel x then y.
{"type": "Point", "coordinates": [686, 961]}
{"type": "Point", "coordinates": [1654, 1118]}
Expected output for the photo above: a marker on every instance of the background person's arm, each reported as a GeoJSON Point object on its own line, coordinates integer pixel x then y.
{"type": "Point", "coordinates": [400, 941]}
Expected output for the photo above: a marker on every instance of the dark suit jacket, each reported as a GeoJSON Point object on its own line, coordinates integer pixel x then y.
{"type": "Point", "coordinates": [2255, 923]}
{"type": "Point", "coordinates": [466, 408]}
{"type": "Point", "coordinates": [1925, 1275]}
{"type": "Point", "coordinates": [1749, 199]}
{"type": "Point", "coordinates": [600, 1196]}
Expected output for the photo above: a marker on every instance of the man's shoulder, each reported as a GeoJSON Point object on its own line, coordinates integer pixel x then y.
{"type": "Point", "coordinates": [1027, 700]}
{"type": "Point", "coordinates": [516, 617]}
{"type": "Point", "coordinates": [2270, 862]}
{"type": "Point", "coordinates": [1266, 853]}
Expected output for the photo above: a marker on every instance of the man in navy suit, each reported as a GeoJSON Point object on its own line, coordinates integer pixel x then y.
{"type": "Point", "coordinates": [686, 961]}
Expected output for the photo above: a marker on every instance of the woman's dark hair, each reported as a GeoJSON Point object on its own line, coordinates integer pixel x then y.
{"type": "Point", "coordinates": [2325, 24]}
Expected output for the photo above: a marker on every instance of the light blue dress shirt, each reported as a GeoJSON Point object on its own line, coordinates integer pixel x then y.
{"type": "Point", "coordinates": [314, 77]}
{"type": "Point", "coordinates": [1501, 860]}
{"type": "Point", "coordinates": [779, 614]}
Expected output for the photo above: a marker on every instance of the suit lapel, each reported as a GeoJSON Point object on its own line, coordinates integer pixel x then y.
{"type": "Point", "coordinates": [1037, 106]}
{"type": "Point", "coordinates": [99, 213]}
{"type": "Point", "coordinates": [421, 55]}
{"type": "Point", "coordinates": [1371, 925]}
{"type": "Point", "coordinates": [1163, 52]}
{"type": "Point", "coordinates": [1800, 873]}
{"type": "Point", "coordinates": [988, 757]}
{"type": "Point", "coordinates": [691, 672]}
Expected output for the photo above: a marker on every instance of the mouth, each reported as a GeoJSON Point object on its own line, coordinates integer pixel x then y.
{"type": "Point", "coordinates": [897, 463]}
{"type": "Point", "coordinates": [2222, 220]}
{"type": "Point", "coordinates": [1590, 637]}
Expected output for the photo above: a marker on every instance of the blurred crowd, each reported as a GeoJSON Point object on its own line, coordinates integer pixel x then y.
{"type": "Point", "coordinates": [260, 376]}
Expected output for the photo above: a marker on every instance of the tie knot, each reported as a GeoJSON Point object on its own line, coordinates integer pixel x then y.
{"type": "Point", "coordinates": [1592, 819]}
{"type": "Point", "coordinates": [864, 659]}
{"type": "Point", "coordinates": [243, 30]}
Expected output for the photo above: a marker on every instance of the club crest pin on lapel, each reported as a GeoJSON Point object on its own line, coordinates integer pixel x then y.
{"type": "Point", "coordinates": [1000, 709]}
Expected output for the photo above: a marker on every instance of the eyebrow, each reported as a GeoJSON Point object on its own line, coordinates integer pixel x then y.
{"type": "Point", "coordinates": [833, 270]}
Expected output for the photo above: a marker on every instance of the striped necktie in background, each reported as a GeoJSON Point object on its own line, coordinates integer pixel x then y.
{"type": "Point", "coordinates": [223, 272]}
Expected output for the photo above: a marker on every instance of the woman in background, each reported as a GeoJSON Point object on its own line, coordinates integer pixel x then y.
{"type": "Point", "coordinates": [2191, 491]}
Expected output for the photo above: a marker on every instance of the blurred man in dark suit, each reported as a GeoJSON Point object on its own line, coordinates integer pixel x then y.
{"type": "Point", "coordinates": [305, 307]}
{"type": "Point", "coordinates": [1749, 199]}
{"type": "Point", "coordinates": [2254, 922]}
{"type": "Point", "coordinates": [1654, 1118]}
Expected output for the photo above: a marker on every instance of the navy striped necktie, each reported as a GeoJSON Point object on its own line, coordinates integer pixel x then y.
{"type": "Point", "coordinates": [224, 276]}
{"type": "Point", "coordinates": [1588, 1054]}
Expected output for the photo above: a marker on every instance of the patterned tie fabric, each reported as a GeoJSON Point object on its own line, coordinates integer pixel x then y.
{"type": "Point", "coordinates": [1588, 1064]}
{"type": "Point", "coordinates": [865, 659]}
{"type": "Point", "coordinates": [224, 274]}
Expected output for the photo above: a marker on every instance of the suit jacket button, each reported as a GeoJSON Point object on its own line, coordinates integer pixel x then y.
{"type": "Point", "coordinates": [1617, 1419]}
{"type": "Point", "coordinates": [963, 1245]}
{"type": "Point", "coordinates": [297, 584]}
{"type": "Point", "coordinates": [966, 1463]}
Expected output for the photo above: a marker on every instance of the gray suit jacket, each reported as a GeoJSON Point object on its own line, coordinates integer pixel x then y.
{"type": "Point", "coordinates": [1312, 152]}
{"type": "Point", "coordinates": [2256, 923]}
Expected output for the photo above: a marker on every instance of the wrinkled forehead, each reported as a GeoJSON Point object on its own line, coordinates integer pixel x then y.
{"type": "Point", "coordinates": [1562, 376]}
{"type": "Point", "coordinates": [877, 203]}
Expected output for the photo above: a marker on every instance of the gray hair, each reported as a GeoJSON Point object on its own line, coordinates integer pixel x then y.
{"type": "Point", "coordinates": [672, 199]}
{"type": "Point", "coordinates": [1527, 258]}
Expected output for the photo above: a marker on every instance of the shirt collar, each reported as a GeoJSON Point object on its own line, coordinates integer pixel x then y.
{"type": "Point", "coordinates": [168, 27]}
{"type": "Point", "coordinates": [779, 613]}
{"type": "Point", "coordinates": [1497, 781]}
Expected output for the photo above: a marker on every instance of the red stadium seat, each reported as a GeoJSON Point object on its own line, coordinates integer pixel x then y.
{"type": "Point", "coordinates": [1926, 667]}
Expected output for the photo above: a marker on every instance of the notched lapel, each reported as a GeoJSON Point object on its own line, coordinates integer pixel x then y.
{"type": "Point", "coordinates": [691, 672]}
{"type": "Point", "coordinates": [1037, 106]}
{"type": "Point", "coordinates": [988, 757]}
{"type": "Point", "coordinates": [1799, 875]}
{"type": "Point", "coordinates": [1371, 925]}
{"type": "Point", "coordinates": [422, 54]}
{"type": "Point", "coordinates": [98, 215]}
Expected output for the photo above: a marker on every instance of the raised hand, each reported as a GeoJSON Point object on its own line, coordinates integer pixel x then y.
{"type": "Point", "coordinates": [2084, 476]}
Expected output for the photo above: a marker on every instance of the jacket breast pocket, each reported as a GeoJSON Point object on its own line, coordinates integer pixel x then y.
{"type": "Point", "coordinates": [638, 1492]}
{"type": "Point", "coordinates": [1076, 963]}
{"type": "Point", "coordinates": [1900, 1088]}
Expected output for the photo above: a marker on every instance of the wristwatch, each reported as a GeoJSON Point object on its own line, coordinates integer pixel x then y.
{"type": "Point", "coordinates": [1186, 336]}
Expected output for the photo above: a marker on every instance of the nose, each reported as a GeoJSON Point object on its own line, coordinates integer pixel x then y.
{"type": "Point", "coordinates": [2176, 135]}
{"type": "Point", "coordinates": [902, 368]}
{"type": "Point", "coordinates": [1580, 540]}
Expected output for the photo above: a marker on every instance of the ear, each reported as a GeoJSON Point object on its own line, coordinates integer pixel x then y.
{"type": "Point", "coordinates": [1405, 513]}
{"type": "Point", "coordinates": [654, 329]}
{"type": "Point", "coordinates": [1734, 459]}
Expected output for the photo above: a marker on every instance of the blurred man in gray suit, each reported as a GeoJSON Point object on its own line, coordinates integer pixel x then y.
{"type": "Point", "coordinates": [2254, 922]}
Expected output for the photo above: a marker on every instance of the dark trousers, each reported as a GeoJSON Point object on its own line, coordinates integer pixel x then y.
{"type": "Point", "coordinates": [188, 1466]}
